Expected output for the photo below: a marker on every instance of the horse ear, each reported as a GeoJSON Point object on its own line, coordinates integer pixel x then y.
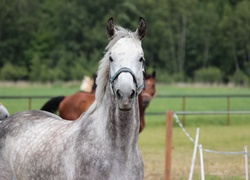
{"type": "Point", "coordinates": [110, 28]}
{"type": "Point", "coordinates": [154, 74]}
{"type": "Point", "coordinates": [142, 28]}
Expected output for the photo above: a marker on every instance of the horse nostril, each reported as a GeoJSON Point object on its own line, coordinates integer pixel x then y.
{"type": "Point", "coordinates": [132, 94]}
{"type": "Point", "coordinates": [118, 93]}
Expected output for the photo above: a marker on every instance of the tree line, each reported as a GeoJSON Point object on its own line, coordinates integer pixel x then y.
{"type": "Point", "coordinates": [189, 40]}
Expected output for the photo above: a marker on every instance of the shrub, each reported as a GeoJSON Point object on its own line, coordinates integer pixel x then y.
{"type": "Point", "coordinates": [40, 72]}
{"type": "Point", "coordinates": [12, 72]}
{"type": "Point", "coordinates": [239, 78]}
{"type": "Point", "coordinates": [178, 77]}
{"type": "Point", "coordinates": [163, 76]}
{"type": "Point", "coordinates": [208, 75]}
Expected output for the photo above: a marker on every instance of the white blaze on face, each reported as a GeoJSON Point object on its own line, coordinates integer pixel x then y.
{"type": "Point", "coordinates": [126, 53]}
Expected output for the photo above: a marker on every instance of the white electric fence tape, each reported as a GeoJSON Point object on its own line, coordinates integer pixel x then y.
{"type": "Point", "coordinates": [207, 150]}
{"type": "Point", "coordinates": [199, 146]}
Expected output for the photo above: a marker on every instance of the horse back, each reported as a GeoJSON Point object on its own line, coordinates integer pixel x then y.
{"type": "Point", "coordinates": [33, 139]}
{"type": "Point", "coordinates": [30, 123]}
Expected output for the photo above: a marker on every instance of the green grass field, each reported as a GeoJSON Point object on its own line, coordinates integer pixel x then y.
{"type": "Point", "coordinates": [214, 132]}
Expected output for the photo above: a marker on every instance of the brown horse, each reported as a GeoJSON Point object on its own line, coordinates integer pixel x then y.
{"type": "Point", "coordinates": [145, 97]}
{"type": "Point", "coordinates": [72, 106]}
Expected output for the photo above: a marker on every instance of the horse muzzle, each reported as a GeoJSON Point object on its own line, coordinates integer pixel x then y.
{"type": "Point", "coordinates": [125, 88]}
{"type": "Point", "coordinates": [146, 98]}
{"type": "Point", "coordinates": [125, 100]}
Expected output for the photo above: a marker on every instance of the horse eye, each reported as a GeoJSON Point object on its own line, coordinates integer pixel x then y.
{"type": "Point", "coordinates": [141, 59]}
{"type": "Point", "coordinates": [110, 59]}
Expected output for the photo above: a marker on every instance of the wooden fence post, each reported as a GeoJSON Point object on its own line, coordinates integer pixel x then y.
{"type": "Point", "coordinates": [30, 103]}
{"type": "Point", "coordinates": [228, 109]}
{"type": "Point", "coordinates": [184, 109]}
{"type": "Point", "coordinates": [168, 144]}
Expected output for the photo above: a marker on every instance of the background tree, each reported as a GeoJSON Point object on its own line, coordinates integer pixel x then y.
{"type": "Point", "coordinates": [64, 40]}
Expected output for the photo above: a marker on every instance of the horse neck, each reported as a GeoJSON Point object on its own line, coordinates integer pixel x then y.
{"type": "Point", "coordinates": [123, 126]}
{"type": "Point", "coordinates": [119, 128]}
{"type": "Point", "coordinates": [141, 107]}
{"type": "Point", "coordinates": [142, 112]}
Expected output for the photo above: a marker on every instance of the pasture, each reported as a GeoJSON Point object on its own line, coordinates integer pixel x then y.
{"type": "Point", "coordinates": [214, 133]}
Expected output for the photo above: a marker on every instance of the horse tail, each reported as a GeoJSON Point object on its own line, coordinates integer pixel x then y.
{"type": "Point", "coordinates": [53, 104]}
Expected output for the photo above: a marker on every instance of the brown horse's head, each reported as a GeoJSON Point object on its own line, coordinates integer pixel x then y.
{"type": "Point", "coordinates": [150, 90]}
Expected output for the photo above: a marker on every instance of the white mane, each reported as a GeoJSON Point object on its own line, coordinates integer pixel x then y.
{"type": "Point", "coordinates": [103, 70]}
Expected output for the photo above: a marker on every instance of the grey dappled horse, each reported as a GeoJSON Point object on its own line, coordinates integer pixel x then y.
{"type": "Point", "coordinates": [102, 143]}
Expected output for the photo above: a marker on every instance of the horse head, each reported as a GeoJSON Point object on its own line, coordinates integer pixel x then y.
{"type": "Point", "coordinates": [126, 63]}
{"type": "Point", "coordinates": [149, 92]}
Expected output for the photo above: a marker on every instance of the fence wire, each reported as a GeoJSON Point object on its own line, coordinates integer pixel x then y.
{"type": "Point", "coordinates": [206, 150]}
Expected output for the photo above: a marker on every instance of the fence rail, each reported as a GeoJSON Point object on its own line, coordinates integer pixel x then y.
{"type": "Point", "coordinates": [204, 96]}
{"type": "Point", "coordinates": [25, 97]}
{"type": "Point", "coordinates": [157, 96]}
{"type": "Point", "coordinates": [210, 112]}
{"type": "Point", "coordinates": [188, 96]}
{"type": "Point", "coordinates": [184, 97]}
